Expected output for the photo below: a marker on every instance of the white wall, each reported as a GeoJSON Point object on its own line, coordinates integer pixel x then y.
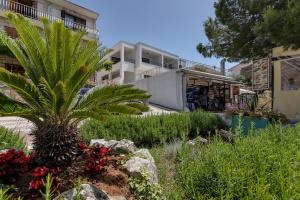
{"type": "Point", "coordinates": [166, 89]}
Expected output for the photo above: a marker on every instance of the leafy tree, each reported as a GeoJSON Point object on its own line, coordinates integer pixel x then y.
{"type": "Point", "coordinates": [283, 25]}
{"type": "Point", "coordinates": [236, 33]}
{"type": "Point", "coordinates": [58, 63]}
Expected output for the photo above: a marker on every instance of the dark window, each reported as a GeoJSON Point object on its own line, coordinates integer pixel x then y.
{"type": "Point", "coordinates": [115, 60]}
{"type": "Point", "coordinates": [72, 21]}
{"type": "Point", "coordinates": [146, 60]}
{"type": "Point", "coordinates": [115, 74]}
{"type": "Point", "coordinates": [12, 32]}
{"type": "Point", "coordinates": [14, 68]}
{"type": "Point", "coordinates": [105, 77]}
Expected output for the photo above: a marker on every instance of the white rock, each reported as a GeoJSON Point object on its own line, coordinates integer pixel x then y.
{"type": "Point", "coordinates": [136, 165]}
{"type": "Point", "coordinates": [144, 153]}
{"type": "Point", "coordinates": [99, 142]}
{"type": "Point", "coordinates": [88, 192]}
{"type": "Point", "coordinates": [123, 146]}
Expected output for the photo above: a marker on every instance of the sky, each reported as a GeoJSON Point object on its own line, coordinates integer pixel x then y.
{"type": "Point", "coordinates": [171, 25]}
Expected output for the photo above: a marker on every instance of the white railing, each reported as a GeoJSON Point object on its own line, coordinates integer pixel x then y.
{"type": "Point", "coordinates": [190, 64]}
{"type": "Point", "coordinates": [34, 13]}
{"type": "Point", "coordinates": [154, 72]}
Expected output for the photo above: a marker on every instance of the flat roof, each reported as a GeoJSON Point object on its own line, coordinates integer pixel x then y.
{"type": "Point", "coordinates": [146, 45]}
{"type": "Point", "coordinates": [209, 76]}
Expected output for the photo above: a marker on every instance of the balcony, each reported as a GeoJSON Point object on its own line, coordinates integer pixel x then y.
{"type": "Point", "coordinates": [33, 13]}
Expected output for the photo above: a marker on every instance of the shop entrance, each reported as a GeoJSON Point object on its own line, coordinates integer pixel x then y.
{"type": "Point", "coordinates": [207, 94]}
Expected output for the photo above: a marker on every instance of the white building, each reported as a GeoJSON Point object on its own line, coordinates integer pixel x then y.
{"type": "Point", "coordinates": [133, 62]}
{"type": "Point", "coordinates": [72, 15]}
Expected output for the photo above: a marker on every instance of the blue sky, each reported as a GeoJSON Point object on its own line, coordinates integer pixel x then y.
{"type": "Point", "coordinates": [172, 25]}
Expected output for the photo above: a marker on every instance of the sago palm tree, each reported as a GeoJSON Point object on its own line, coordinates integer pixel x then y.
{"type": "Point", "coordinates": [57, 64]}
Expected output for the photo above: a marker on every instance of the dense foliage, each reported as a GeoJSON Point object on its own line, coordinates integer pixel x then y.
{"type": "Point", "coordinates": [9, 139]}
{"type": "Point", "coordinates": [283, 24]}
{"type": "Point", "coordinates": [12, 164]}
{"type": "Point", "coordinates": [153, 130]}
{"type": "Point", "coordinates": [58, 63]}
{"type": "Point", "coordinates": [263, 166]}
{"type": "Point", "coordinates": [249, 29]}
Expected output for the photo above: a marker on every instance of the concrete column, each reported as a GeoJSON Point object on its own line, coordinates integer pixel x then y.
{"type": "Point", "coordinates": [162, 60]}
{"type": "Point", "coordinates": [122, 64]}
{"type": "Point", "coordinates": [138, 59]}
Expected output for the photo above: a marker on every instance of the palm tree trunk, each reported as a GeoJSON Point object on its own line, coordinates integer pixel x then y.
{"type": "Point", "coordinates": [56, 145]}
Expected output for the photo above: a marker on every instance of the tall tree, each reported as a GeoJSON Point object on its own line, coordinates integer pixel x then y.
{"type": "Point", "coordinates": [58, 64]}
{"type": "Point", "coordinates": [283, 25]}
{"type": "Point", "coordinates": [236, 32]}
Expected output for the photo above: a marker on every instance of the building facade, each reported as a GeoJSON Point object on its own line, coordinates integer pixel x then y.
{"type": "Point", "coordinates": [286, 90]}
{"type": "Point", "coordinates": [72, 15]}
{"type": "Point", "coordinates": [133, 62]}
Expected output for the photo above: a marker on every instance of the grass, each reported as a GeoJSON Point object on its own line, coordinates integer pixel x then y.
{"type": "Point", "coordinates": [9, 139]}
{"type": "Point", "coordinates": [153, 130]}
{"type": "Point", "coordinates": [265, 165]}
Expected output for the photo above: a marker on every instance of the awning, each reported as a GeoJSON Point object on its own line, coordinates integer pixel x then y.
{"type": "Point", "coordinates": [209, 76]}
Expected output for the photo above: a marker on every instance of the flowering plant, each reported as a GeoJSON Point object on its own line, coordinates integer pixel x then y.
{"type": "Point", "coordinates": [40, 174]}
{"type": "Point", "coordinates": [97, 159]}
{"type": "Point", "coordinates": [12, 163]}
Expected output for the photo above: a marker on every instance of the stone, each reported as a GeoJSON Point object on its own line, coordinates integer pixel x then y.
{"type": "Point", "coordinates": [226, 136]}
{"type": "Point", "coordinates": [136, 165]}
{"type": "Point", "coordinates": [198, 140]}
{"type": "Point", "coordinates": [123, 146]}
{"type": "Point", "coordinates": [99, 142]}
{"type": "Point", "coordinates": [87, 192]}
{"type": "Point", "coordinates": [144, 153]}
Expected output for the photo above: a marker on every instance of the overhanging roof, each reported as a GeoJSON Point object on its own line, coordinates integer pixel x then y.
{"type": "Point", "coordinates": [209, 76]}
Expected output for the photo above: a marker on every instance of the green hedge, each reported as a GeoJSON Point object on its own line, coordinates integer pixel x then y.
{"type": "Point", "coordinates": [153, 130]}
{"type": "Point", "coordinates": [263, 166]}
{"type": "Point", "coordinates": [9, 139]}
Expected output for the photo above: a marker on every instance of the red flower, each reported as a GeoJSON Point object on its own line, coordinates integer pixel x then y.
{"type": "Point", "coordinates": [98, 168]}
{"type": "Point", "coordinates": [35, 184]}
{"type": "Point", "coordinates": [103, 151]}
{"type": "Point", "coordinates": [82, 146]}
{"type": "Point", "coordinates": [40, 171]}
{"type": "Point", "coordinates": [102, 161]}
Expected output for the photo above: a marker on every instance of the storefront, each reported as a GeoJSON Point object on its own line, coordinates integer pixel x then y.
{"type": "Point", "coordinates": [188, 90]}
{"type": "Point", "coordinates": [209, 92]}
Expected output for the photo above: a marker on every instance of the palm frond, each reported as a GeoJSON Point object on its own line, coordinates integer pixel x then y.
{"type": "Point", "coordinates": [22, 86]}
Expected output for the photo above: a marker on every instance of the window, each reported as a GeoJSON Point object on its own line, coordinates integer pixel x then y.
{"type": "Point", "coordinates": [72, 21]}
{"type": "Point", "coordinates": [115, 74]}
{"type": "Point", "coordinates": [105, 77]}
{"type": "Point", "coordinates": [290, 75]}
{"type": "Point", "coordinates": [14, 68]}
{"type": "Point", "coordinates": [115, 60]}
{"type": "Point", "coordinates": [146, 60]}
{"type": "Point", "coordinates": [12, 32]}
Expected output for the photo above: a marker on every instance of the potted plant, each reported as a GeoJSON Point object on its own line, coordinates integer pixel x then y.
{"type": "Point", "coordinates": [253, 116]}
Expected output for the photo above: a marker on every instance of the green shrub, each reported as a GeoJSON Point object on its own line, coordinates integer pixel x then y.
{"type": "Point", "coordinates": [153, 130]}
{"type": "Point", "coordinates": [261, 166]}
{"type": "Point", "coordinates": [144, 189]}
{"type": "Point", "coordinates": [9, 139]}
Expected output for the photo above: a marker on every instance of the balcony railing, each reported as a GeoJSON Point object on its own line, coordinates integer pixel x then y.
{"type": "Point", "coordinates": [154, 72]}
{"type": "Point", "coordinates": [34, 13]}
